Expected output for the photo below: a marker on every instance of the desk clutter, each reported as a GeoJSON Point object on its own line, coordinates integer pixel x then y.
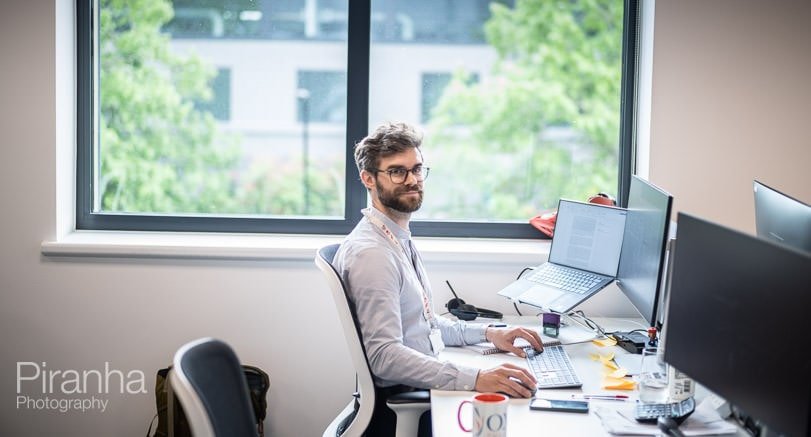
{"type": "Point", "coordinates": [697, 284]}
{"type": "Point", "coordinates": [705, 420]}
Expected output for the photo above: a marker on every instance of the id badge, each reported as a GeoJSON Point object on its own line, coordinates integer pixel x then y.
{"type": "Point", "coordinates": [436, 341]}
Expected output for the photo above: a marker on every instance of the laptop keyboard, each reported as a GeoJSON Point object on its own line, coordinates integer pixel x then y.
{"type": "Point", "coordinates": [552, 367]}
{"type": "Point", "coordinates": [576, 281]}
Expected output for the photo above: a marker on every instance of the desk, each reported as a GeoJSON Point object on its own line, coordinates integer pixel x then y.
{"type": "Point", "coordinates": [521, 420]}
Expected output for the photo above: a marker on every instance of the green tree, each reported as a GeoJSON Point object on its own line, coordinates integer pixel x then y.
{"type": "Point", "coordinates": [277, 189]}
{"type": "Point", "coordinates": [545, 124]}
{"type": "Point", "coordinates": [158, 153]}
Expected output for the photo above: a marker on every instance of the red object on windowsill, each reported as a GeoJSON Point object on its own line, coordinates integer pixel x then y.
{"type": "Point", "coordinates": [546, 222]}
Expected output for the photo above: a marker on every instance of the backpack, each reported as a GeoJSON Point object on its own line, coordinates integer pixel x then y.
{"type": "Point", "coordinates": [258, 385]}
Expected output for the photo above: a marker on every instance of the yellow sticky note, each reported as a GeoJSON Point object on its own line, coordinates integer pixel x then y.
{"type": "Point", "coordinates": [608, 361]}
{"type": "Point", "coordinates": [610, 383]}
{"type": "Point", "coordinates": [619, 373]}
{"type": "Point", "coordinates": [594, 357]}
{"type": "Point", "coordinates": [603, 342]}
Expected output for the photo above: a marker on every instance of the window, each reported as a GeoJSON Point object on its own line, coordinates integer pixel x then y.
{"type": "Point", "coordinates": [219, 105]}
{"type": "Point", "coordinates": [433, 86]}
{"type": "Point", "coordinates": [241, 115]}
{"type": "Point", "coordinates": [322, 96]}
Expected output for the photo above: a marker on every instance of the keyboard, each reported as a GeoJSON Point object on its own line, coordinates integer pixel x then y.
{"type": "Point", "coordinates": [552, 367]}
{"type": "Point", "coordinates": [576, 281]}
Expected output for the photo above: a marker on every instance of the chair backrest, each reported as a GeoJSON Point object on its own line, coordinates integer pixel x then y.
{"type": "Point", "coordinates": [210, 384]}
{"type": "Point", "coordinates": [353, 336]}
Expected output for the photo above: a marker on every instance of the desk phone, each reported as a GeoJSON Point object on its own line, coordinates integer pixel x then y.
{"type": "Point", "coordinates": [678, 411]}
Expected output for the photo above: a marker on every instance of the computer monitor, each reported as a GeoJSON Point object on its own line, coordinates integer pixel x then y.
{"type": "Point", "coordinates": [644, 242]}
{"type": "Point", "coordinates": [782, 218]}
{"type": "Point", "coordinates": [737, 322]}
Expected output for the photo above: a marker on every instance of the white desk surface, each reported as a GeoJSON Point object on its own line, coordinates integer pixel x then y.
{"type": "Point", "coordinates": [521, 421]}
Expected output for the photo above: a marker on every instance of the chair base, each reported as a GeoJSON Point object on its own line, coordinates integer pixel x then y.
{"type": "Point", "coordinates": [409, 407]}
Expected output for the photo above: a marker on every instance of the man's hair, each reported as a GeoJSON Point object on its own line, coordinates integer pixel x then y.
{"type": "Point", "coordinates": [388, 139]}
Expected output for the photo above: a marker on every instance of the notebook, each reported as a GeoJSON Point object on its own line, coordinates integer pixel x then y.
{"type": "Point", "coordinates": [583, 260]}
{"type": "Point", "coordinates": [490, 348]}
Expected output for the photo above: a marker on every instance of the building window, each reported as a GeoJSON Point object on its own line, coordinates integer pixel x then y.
{"type": "Point", "coordinates": [433, 87]}
{"type": "Point", "coordinates": [219, 103]}
{"type": "Point", "coordinates": [322, 97]}
{"type": "Point", "coordinates": [241, 115]}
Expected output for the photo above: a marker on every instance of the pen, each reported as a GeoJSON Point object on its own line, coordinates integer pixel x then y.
{"type": "Point", "coordinates": [602, 397]}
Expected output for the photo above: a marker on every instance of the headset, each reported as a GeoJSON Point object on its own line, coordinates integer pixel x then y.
{"type": "Point", "coordinates": [467, 312]}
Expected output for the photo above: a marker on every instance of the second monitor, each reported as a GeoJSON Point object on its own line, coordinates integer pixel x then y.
{"type": "Point", "coordinates": [643, 247]}
{"type": "Point", "coordinates": [641, 267]}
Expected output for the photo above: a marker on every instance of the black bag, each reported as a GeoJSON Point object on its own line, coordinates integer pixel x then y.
{"type": "Point", "coordinates": [258, 385]}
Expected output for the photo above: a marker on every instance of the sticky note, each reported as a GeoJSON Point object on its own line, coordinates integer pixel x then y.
{"type": "Point", "coordinates": [604, 342]}
{"type": "Point", "coordinates": [610, 383]}
{"type": "Point", "coordinates": [594, 357]}
{"type": "Point", "coordinates": [619, 373]}
{"type": "Point", "coordinates": [608, 361]}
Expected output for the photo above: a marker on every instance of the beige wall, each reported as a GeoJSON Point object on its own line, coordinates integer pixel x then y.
{"type": "Point", "coordinates": [728, 76]}
{"type": "Point", "coordinates": [731, 101]}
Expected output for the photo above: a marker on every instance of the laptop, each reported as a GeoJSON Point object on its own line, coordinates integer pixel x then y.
{"type": "Point", "coordinates": [583, 260]}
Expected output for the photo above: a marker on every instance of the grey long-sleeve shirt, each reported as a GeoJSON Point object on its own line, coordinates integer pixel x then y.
{"type": "Point", "coordinates": [387, 293]}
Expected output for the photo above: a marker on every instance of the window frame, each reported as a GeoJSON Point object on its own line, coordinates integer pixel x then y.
{"type": "Point", "coordinates": [357, 115]}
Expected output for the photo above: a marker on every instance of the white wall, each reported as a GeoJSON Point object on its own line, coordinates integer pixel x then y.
{"type": "Point", "coordinates": [78, 313]}
{"type": "Point", "coordinates": [731, 102]}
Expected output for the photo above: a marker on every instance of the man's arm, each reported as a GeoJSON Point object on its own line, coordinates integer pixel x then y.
{"type": "Point", "coordinates": [375, 282]}
{"type": "Point", "coordinates": [458, 333]}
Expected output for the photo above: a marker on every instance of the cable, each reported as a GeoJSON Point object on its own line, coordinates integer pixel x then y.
{"type": "Point", "coordinates": [587, 322]}
{"type": "Point", "coordinates": [524, 271]}
{"type": "Point", "coordinates": [746, 422]}
{"type": "Point", "coordinates": [515, 305]}
{"type": "Point", "coordinates": [516, 309]}
{"type": "Point", "coordinates": [644, 328]}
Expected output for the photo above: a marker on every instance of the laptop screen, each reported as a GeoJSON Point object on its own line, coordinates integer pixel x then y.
{"type": "Point", "coordinates": [588, 237]}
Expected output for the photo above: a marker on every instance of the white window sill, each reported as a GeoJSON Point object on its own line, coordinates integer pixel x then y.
{"type": "Point", "coordinates": [120, 244]}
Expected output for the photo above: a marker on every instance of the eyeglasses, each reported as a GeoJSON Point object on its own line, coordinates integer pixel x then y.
{"type": "Point", "coordinates": [398, 175]}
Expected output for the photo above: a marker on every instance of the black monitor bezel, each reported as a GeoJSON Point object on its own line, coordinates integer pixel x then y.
{"type": "Point", "coordinates": [655, 311]}
{"type": "Point", "coordinates": [718, 329]}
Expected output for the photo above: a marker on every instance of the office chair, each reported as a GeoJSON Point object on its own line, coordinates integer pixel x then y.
{"type": "Point", "coordinates": [353, 420]}
{"type": "Point", "coordinates": [209, 382]}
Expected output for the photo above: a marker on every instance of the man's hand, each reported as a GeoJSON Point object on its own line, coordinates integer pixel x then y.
{"type": "Point", "coordinates": [507, 378]}
{"type": "Point", "coordinates": [503, 338]}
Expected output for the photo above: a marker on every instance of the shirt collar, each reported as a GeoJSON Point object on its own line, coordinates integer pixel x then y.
{"type": "Point", "coordinates": [398, 232]}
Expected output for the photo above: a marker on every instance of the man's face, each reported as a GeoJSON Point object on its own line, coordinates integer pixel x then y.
{"type": "Point", "coordinates": [405, 197]}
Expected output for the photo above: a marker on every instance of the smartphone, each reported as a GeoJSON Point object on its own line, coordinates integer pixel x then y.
{"type": "Point", "coordinates": [559, 405]}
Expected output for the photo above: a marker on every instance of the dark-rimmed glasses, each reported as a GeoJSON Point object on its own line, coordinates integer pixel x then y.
{"type": "Point", "coordinates": [398, 175]}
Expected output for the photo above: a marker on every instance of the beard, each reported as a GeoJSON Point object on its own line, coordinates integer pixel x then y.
{"type": "Point", "coordinates": [394, 200]}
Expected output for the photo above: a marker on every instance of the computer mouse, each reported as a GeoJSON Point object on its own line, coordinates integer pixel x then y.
{"type": "Point", "coordinates": [532, 389]}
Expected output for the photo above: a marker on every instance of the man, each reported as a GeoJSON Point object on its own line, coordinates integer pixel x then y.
{"type": "Point", "coordinates": [386, 281]}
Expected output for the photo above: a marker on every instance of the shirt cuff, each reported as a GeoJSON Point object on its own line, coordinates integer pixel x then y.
{"type": "Point", "coordinates": [475, 333]}
{"type": "Point", "coordinates": [466, 379]}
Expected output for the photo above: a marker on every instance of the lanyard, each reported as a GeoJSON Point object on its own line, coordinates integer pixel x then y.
{"type": "Point", "coordinates": [426, 306]}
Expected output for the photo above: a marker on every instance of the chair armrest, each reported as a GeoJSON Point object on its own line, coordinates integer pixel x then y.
{"type": "Point", "coordinates": [411, 397]}
{"type": "Point", "coordinates": [409, 407]}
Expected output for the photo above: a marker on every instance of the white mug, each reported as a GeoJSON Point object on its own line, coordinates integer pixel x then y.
{"type": "Point", "coordinates": [489, 415]}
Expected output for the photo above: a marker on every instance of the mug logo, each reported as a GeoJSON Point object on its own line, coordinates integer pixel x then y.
{"type": "Point", "coordinates": [495, 422]}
